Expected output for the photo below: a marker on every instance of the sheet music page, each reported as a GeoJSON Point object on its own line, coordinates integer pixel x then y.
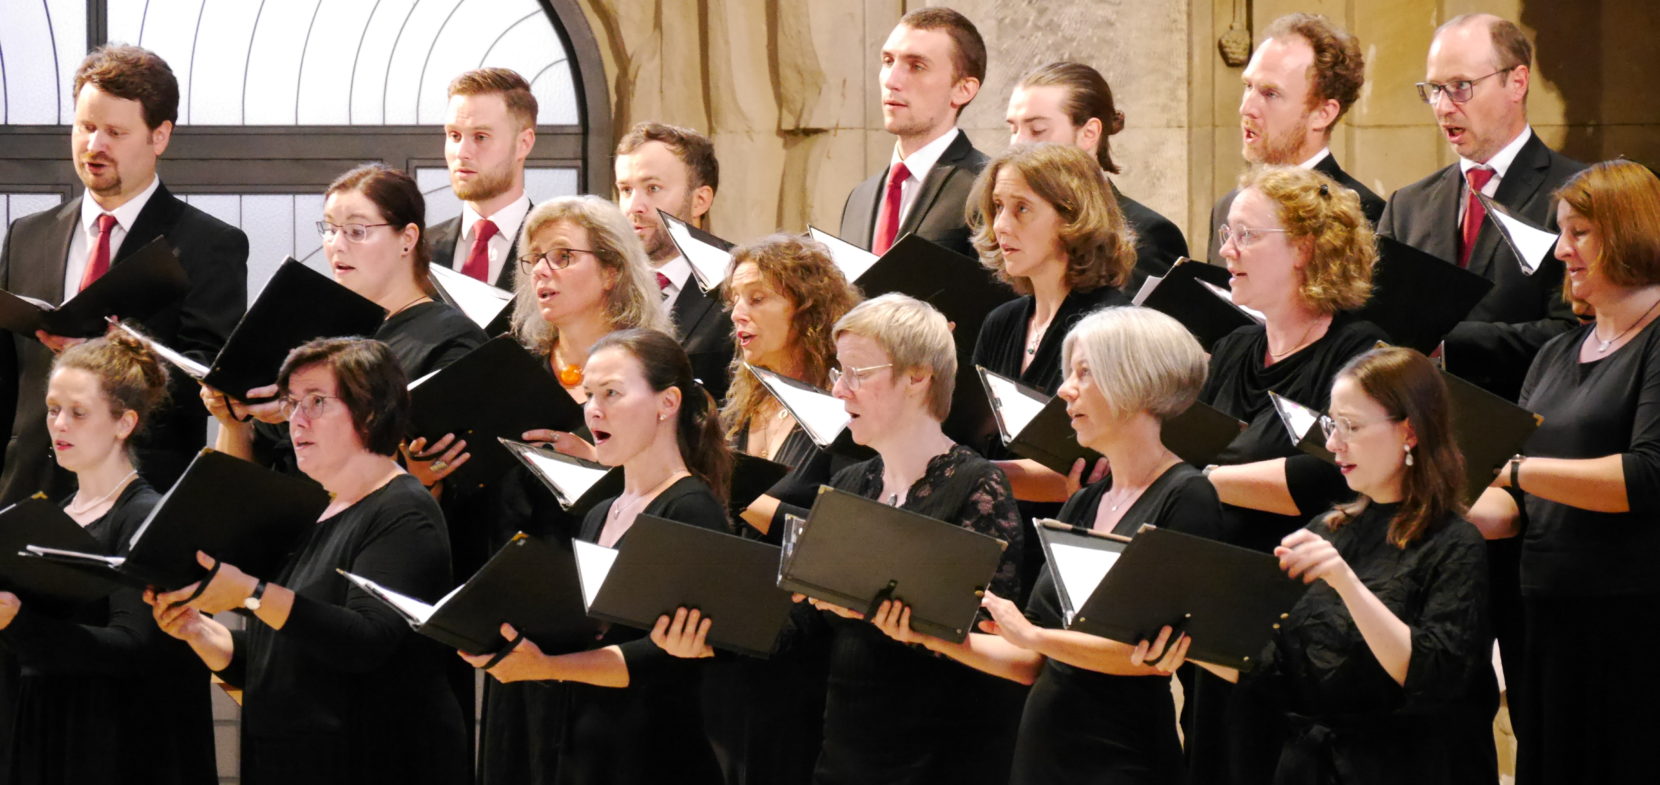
{"type": "Point", "coordinates": [851, 259]}
{"type": "Point", "coordinates": [480, 301]}
{"type": "Point", "coordinates": [1015, 408]}
{"type": "Point", "coordinates": [708, 262]}
{"type": "Point", "coordinates": [194, 369]}
{"type": "Point", "coordinates": [63, 555]}
{"type": "Point", "coordinates": [1080, 570]}
{"type": "Point", "coordinates": [1147, 288]}
{"type": "Point", "coordinates": [1531, 243]}
{"type": "Point", "coordinates": [593, 563]}
{"type": "Point", "coordinates": [572, 480]}
{"type": "Point", "coordinates": [414, 610]}
{"type": "Point", "coordinates": [821, 414]}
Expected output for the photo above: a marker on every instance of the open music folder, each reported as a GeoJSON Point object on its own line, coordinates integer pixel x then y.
{"type": "Point", "coordinates": [1417, 298]}
{"type": "Point", "coordinates": [661, 565]}
{"type": "Point", "coordinates": [1531, 244]}
{"type": "Point", "coordinates": [36, 521]}
{"type": "Point", "coordinates": [856, 552]}
{"type": "Point", "coordinates": [136, 287]}
{"type": "Point", "coordinates": [486, 305]}
{"type": "Point", "coordinates": [708, 255]}
{"type": "Point", "coordinates": [576, 484]}
{"type": "Point", "coordinates": [496, 391]}
{"type": "Point", "coordinates": [1228, 599]}
{"type": "Point", "coordinates": [530, 583]}
{"type": "Point", "coordinates": [228, 508]}
{"type": "Point", "coordinates": [819, 413]}
{"type": "Point", "coordinates": [1196, 294]}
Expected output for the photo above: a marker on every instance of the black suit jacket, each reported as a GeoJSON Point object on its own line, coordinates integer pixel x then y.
{"type": "Point", "coordinates": [705, 329]}
{"type": "Point", "coordinates": [215, 256]}
{"type": "Point", "coordinates": [1158, 243]}
{"type": "Point", "coordinates": [937, 213]}
{"type": "Point", "coordinates": [1370, 203]}
{"type": "Point", "coordinates": [441, 240]}
{"type": "Point", "coordinates": [1496, 345]}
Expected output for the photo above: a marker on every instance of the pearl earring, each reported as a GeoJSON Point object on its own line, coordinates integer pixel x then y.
{"type": "Point", "coordinates": [1408, 448]}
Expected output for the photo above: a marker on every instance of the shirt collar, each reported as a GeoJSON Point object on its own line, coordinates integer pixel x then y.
{"type": "Point", "coordinates": [1318, 157]}
{"type": "Point", "coordinates": [1501, 160]}
{"type": "Point", "coordinates": [919, 162]}
{"type": "Point", "coordinates": [677, 270]}
{"type": "Point", "coordinates": [125, 215]}
{"type": "Point", "coordinates": [507, 220]}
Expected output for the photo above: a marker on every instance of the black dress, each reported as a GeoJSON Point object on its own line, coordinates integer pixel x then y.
{"type": "Point", "coordinates": [105, 696]}
{"type": "Point", "coordinates": [1084, 726]}
{"type": "Point", "coordinates": [900, 715]}
{"type": "Point", "coordinates": [346, 692]}
{"type": "Point", "coordinates": [1585, 571]}
{"type": "Point", "coordinates": [1000, 348]}
{"type": "Point", "coordinates": [1230, 739]}
{"type": "Point", "coordinates": [1349, 721]}
{"type": "Point", "coordinates": [652, 730]}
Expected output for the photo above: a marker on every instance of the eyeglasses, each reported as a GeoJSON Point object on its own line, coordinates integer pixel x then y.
{"type": "Point", "coordinates": [557, 259]}
{"type": "Point", "coordinates": [314, 405]}
{"type": "Point", "coordinates": [1344, 428]}
{"type": "Point", "coordinates": [1459, 91]}
{"type": "Point", "coordinates": [853, 375]}
{"type": "Point", "coordinates": [357, 233]}
{"type": "Point", "coordinates": [1244, 236]}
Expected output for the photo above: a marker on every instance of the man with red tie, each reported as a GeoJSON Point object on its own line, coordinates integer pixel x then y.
{"type": "Point", "coordinates": [932, 66]}
{"type": "Point", "coordinates": [126, 102]}
{"type": "Point", "coordinates": [1476, 83]}
{"type": "Point", "coordinates": [489, 130]}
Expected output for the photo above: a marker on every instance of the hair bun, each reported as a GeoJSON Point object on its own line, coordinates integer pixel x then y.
{"type": "Point", "coordinates": [1117, 123]}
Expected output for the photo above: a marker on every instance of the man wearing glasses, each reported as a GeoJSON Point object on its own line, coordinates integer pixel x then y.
{"type": "Point", "coordinates": [1301, 80]}
{"type": "Point", "coordinates": [1476, 83]}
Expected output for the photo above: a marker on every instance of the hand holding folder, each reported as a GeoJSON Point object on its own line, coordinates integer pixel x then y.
{"type": "Point", "coordinates": [137, 287]}
{"type": "Point", "coordinates": [41, 523]}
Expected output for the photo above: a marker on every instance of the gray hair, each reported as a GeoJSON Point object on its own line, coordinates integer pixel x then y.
{"type": "Point", "coordinates": [1140, 359]}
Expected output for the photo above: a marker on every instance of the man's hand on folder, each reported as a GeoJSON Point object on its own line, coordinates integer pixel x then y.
{"type": "Point", "coordinates": [685, 635]}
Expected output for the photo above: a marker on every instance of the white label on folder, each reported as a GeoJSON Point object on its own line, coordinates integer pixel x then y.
{"type": "Point", "coordinates": [570, 479]}
{"type": "Point", "coordinates": [1015, 408]}
{"type": "Point", "coordinates": [593, 563]}
{"type": "Point", "coordinates": [708, 262]}
{"type": "Point", "coordinates": [480, 301]}
{"type": "Point", "coordinates": [1080, 570]}
{"type": "Point", "coordinates": [852, 260]}
{"type": "Point", "coordinates": [821, 414]}
{"type": "Point", "coordinates": [414, 610]}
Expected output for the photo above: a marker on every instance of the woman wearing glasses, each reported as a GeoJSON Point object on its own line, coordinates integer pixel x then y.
{"type": "Point", "coordinates": [1585, 496]}
{"type": "Point", "coordinates": [1301, 253]}
{"type": "Point", "coordinates": [1382, 670]}
{"type": "Point", "coordinates": [103, 692]}
{"type": "Point", "coordinates": [337, 687]}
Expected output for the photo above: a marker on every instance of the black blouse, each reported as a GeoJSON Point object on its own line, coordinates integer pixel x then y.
{"type": "Point", "coordinates": [1238, 384]}
{"type": "Point", "coordinates": [105, 696]}
{"type": "Point", "coordinates": [429, 336]}
{"type": "Point", "coordinates": [652, 730]}
{"type": "Point", "coordinates": [899, 714]}
{"type": "Point", "coordinates": [1084, 726]}
{"type": "Point", "coordinates": [1350, 722]}
{"type": "Point", "coordinates": [346, 691]}
{"type": "Point", "coordinates": [1609, 406]}
{"type": "Point", "coordinates": [1002, 341]}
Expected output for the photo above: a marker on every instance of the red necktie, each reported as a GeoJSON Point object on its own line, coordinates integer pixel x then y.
{"type": "Point", "coordinates": [1473, 213]}
{"type": "Point", "coordinates": [888, 225]}
{"type": "Point", "coordinates": [663, 285]}
{"type": "Point", "coordinates": [478, 260]}
{"type": "Point", "coordinates": [98, 262]}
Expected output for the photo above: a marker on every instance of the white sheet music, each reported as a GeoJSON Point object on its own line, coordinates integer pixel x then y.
{"type": "Point", "coordinates": [593, 563]}
{"type": "Point", "coordinates": [1146, 289]}
{"type": "Point", "coordinates": [708, 262]}
{"type": "Point", "coordinates": [1015, 408]}
{"type": "Point", "coordinates": [1226, 296]}
{"type": "Point", "coordinates": [1298, 419]}
{"type": "Point", "coordinates": [480, 301]}
{"type": "Point", "coordinates": [570, 480]}
{"type": "Point", "coordinates": [414, 610]}
{"type": "Point", "coordinates": [63, 555]}
{"type": "Point", "coordinates": [852, 260]}
{"type": "Point", "coordinates": [822, 415]}
{"type": "Point", "coordinates": [1531, 243]}
{"type": "Point", "coordinates": [1080, 570]}
{"type": "Point", "coordinates": [194, 369]}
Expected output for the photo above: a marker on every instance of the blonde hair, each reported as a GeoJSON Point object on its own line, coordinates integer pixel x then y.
{"type": "Point", "coordinates": [633, 299]}
{"type": "Point", "coordinates": [1324, 219]}
{"type": "Point", "coordinates": [1099, 244]}
{"type": "Point", "coordinates": [1141, 360]}
{"type": "Point", "coordinates": [914, 336]}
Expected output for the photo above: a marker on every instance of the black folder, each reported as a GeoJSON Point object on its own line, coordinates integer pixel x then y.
{"type": "Point", "coordinates": [576, 484]}
{"type": "Point", "coordinates": [1532, 244]}
{"type": "Point", "coordinates": [661, 565]}
{"type": "Point", "coordinates": [1228, 599]}
{"type": "Point", "coordinates": [1182, 295]}
{"type": "Point", "coordinates": [490, 308]}
{"type": "Point", "coordinates": [496, 391]}
{"type": "Point", "coordinates": [856, 552]}
{"type": "Point", "coordinates": [530, 583]}
{"type": "Point", "coordinates": [751, 477]}
{"type": "Point", "coordinates": [1196, 436]}
{"type": "Point", "coordinates": [136, 287]}
{"type": "Point", "coordinates": [298, 305]}
{"type": "Point", "coordinates": [1417, 298]}
{"type": "Point", "coordinates": [1302, 423]}
{"type": "Point", "coordinates": [821, 415]}
{"type": "Point", "coordinates": [39, 522]}
{"type": "Point", "coordinates": [226, 507]}
{"type": "Point", "coordinates": [708, 256]}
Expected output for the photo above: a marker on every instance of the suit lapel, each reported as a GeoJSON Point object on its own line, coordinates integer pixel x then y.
{"type": "Point", "coordinates": [941, 171]}
{"type": "Point", "coordinates": [42, 276]}
{"type": "Point", "coordinates": [690, 308]}
{"type": "Point", "coordinates": [1441, 202]}
{"type": "Point", "coordinates": [867, 201]}
{"type": "Point", "coordinates": [441, 239]}
{"type": "Point", "coordinates": [155, 220]}
{"type": "Point", "coordinates": [505, 279]}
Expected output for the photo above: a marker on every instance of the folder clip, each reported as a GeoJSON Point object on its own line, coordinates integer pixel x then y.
{"type": "Point", "coordinates": [876, 602]}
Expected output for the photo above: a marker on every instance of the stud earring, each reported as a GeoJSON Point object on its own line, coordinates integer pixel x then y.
{"type": "Point", "coordinates": [1408, 448]}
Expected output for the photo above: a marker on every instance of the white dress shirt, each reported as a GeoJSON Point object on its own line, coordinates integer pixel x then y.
{"type": "Point", "coordinates": [677, 270]}
{"type": "Point", "coordinates": [81, 243]}
{"type": "Point", "coordinates": [917, 164]}
{"type": "Point", "coordinates": [1499, 163]}
{"type": "Point", "coordinates": [507, 220]}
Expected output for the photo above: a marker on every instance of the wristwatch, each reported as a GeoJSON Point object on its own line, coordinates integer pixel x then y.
{"type": "Point", "coordinates": [252, 603]}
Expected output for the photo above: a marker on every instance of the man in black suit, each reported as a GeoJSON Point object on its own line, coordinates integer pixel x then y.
{"type": "Point", "coordinates": [1301, 80]}
{"type": "Point", "coordinates": [489, 130]}
{"type": "Point", "coordinates": [932, 66]}
{"type": "Point", "coordinates": [674, 169]}
{"type": "Point", "coordinates": [126, 101]}
{"type": "Point", "coordinates": [1477, 79]}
